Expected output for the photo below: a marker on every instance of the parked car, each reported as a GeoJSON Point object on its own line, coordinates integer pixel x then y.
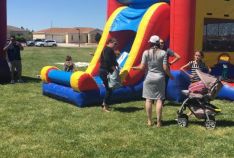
{"type": "Point", "coordinates": [30, 43]}
{"type": "Point", "coordinates": [46, 43]}
{"type": "Point", "coordinates": [33, 42]}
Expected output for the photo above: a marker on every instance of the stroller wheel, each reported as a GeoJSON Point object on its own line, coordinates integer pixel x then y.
{"type": "Point", "coordinates": [211, 123]}
{"type": "Point", "coordinates": [183, 120]}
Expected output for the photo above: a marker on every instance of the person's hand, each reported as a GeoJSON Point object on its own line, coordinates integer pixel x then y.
{"type": "Point", "coordinates": [18, 43]}
{"type": "Point", "coordinates": [191, 76]}
{"type": "Point", "coordinates": [209, 70]}
{"type": "Point", "coordinates": [117, 52]}
{"type": "Point", "coordinates": [113, 68]}
{"type": "Point", "coordinates": [171, 77]}
{"type": "Point", "coordinates": [10, 43]}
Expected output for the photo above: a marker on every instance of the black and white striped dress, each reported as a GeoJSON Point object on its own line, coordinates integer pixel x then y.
{"type": "Point", "coordinates": [196, 66]}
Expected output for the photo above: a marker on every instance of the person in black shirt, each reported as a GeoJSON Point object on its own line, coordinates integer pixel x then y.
{"type": "Point", "coordinates": [13, 49]}
{"type": "Point", "coordinates": [108, 64]}
{"type": "Point", "coordinates": [170, 53]}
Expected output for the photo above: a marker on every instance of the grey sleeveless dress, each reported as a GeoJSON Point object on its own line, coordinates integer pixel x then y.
{"type": "Point", "coordinates": [154, 83]}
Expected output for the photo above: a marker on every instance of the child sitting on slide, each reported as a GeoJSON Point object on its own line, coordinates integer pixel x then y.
{"type": "Point", "coordinates": [69, 66]}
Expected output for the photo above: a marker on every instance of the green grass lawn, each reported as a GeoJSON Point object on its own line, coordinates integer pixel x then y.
{"type": "Point", "coordinates": [33, 125]}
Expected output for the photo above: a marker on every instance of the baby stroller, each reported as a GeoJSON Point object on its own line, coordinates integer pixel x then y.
{"type": "Point", "coordinates": [198, 101]}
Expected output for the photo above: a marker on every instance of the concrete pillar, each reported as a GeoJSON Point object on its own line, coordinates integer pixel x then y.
{"type": "Point", "coordinates": [89, 38]}
{"type": "Point", "coordinates": [67, 38]}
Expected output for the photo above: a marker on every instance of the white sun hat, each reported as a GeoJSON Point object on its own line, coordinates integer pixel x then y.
{"type": "Point", "coordinates": [154, 39]}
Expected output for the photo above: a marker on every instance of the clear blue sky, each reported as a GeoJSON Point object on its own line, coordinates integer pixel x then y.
{"type": "Point", "coordinates": [41, 14]}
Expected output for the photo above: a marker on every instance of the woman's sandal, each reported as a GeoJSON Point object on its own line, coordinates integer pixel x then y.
{"type": "Point", "coordinates": [159, 124]}
{"type": "Point", "coordinates": [105, 108]}
{"type": "Point", "coordinates": [150, 124]}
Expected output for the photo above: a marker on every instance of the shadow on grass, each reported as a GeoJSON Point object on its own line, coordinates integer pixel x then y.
{"type": "Point", "coordinates": [30, 79]}
{"type": "Point", "coordinates": [224, 123]}
{"type": "Point", "coordinates": [219, 123]}
{"type": "Point", "coordinates": [168, 122]}
{"type": "Point", "coordinates": [170, 103]}
{"type": "Point", "coordinates": [26, 79]}
{"type": "Point", "coordinates": [198, 122]}
{"type": "Point", "coordinates": [127, 109]}
{"type": "Point", "coordinates": [4, 82]}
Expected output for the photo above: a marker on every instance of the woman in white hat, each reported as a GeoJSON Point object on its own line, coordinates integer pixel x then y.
{"type": "Point", "coordinates": [155, 61]}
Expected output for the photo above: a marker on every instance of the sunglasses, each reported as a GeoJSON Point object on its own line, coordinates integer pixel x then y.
{"type": "Point", "coordinates": [161, 42]}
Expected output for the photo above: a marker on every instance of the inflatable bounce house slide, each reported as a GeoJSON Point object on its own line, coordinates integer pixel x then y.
{"type": "Point", "coordinates": [132, 22]}
{"type": "Point", "coordinates": [132, 27]}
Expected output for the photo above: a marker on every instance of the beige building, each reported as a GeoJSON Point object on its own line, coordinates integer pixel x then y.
{"type": "Point", "coordinates": [15, 31]}
{"type": "Point", "coordinates": [68, 35]}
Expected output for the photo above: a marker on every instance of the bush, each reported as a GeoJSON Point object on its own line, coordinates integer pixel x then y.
{"type": "Point", "coordinates": [20, 39]}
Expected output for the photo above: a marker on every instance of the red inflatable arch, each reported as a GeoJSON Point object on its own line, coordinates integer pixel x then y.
{"type": "Point", "coordinates": [3, 26]}
{"type": "Point", "coordinates": [182, 27]}
{"type": "Point", "coordinates": [4, 70]}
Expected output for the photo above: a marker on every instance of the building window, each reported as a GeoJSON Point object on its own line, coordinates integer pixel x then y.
{"type": "Point", "coordinates": [218, 35]}
{"type": "Point", "coordinates": [72, 37]}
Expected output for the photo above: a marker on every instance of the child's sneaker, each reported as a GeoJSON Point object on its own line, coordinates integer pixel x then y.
{"type": "Point", "coordinates": [39, 76]}
{"type": "Point", "coordinates": [20, 81]}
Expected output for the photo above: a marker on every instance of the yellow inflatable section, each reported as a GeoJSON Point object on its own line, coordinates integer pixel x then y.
{"type": "Point", "coordinates": [134, 53]}
{"type": "Point", "coordinates": [102, 42]}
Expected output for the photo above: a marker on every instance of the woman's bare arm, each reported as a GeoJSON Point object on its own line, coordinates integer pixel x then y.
{"type": "Point", "coordinates": [177, 57]}
{"type": "Point", "coordinates": [139, 67]}
{"type": "Point", "coordinates": [183, 70]}
{"type": "Point", "coordinates": [167, 71]}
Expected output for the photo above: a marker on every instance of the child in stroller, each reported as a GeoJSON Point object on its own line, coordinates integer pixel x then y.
{"type": "Point", "coordinates": [198, 100]}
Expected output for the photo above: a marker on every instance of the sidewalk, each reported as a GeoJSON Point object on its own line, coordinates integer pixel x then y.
{"type": "Point", "coordinates": [77, 45]}
{"type": "Point", "coordinates": [78, 64]}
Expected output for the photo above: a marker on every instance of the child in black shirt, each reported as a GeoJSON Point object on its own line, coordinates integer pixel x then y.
{"type": "Point", "coordinates": [69, 66]}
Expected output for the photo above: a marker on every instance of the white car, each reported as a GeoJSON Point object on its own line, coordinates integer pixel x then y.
{"type": "Point", "coordinates": [33, 42]}
{"type": "Point", "coordinates": [46, 43]}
